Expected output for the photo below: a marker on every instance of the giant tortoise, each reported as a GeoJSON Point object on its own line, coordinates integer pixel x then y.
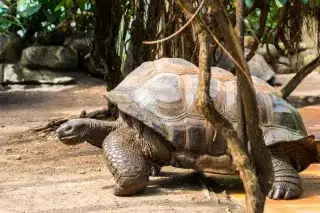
{"type": "Point", "coordinates": [159, 125]}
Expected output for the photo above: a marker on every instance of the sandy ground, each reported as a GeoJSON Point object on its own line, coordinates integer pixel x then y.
{"type": "Point", "coordinates": [40, 174]}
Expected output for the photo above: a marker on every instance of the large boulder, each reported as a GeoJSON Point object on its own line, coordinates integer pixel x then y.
{"type": "Point", "coordinates": [49, 57]}
{"type": "Point", "coordinates": [10, 48]}
{"type": "Point", "coordinates": [15, 74]}
{"type": "Point", "coordinates": [257, 65]}
{"type": "Point", "coordinates": [283, 66]}
{"type": "Point", "coordinates": [78, 44]}
{"type": "Point", "coordinates": [303, 58]}
{"type": "Point", "coordinates": [268, 56]}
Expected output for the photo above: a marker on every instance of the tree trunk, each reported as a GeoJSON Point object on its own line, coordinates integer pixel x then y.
{"type": "Point", "coordinates": [106, 29]}
{"type": "Point", "coordinates": [138, 35]}
{"type": "Point", "coordinates": [259, 152]}
{"type": "Point", "coordinates": [254, 198]}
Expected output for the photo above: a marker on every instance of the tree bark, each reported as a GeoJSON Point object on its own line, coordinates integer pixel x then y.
{"type": "Point", "coordinates": [301, 74]}
{"type": "Point", "coordinates": [138, 35]}
{"type": "Point", "coordinates": [106, 29]}
{"type": "Point", "coordinates": [239, 29]}
{"type": "Point", "coordinates": [254, 198]}
{"type": "Point", "coordinates": [264, 7]}
{"type": "Point", "coordinates": [259, 152]}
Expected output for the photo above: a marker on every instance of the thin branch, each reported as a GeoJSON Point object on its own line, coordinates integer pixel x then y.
{"type": "Point", "coordinates": [262, 26]}
{"type": "Point", "coordinates": [180, 30]}
{"type": "Point", "coordinates": [242, 134]}
{"type": "Point", "coordinates": [301, 74]}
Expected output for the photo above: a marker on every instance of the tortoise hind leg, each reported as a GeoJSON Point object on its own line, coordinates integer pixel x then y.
{"type": "Point", "coordinates": [287, 182]}
{"type": "Point", "coordinates": [125, 162]}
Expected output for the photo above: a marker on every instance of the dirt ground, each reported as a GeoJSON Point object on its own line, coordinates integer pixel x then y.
{"type": "Point", "coordinates": [40, 174]}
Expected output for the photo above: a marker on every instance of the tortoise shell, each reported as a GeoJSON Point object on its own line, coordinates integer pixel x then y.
{"type": "Point", "coordinates": [162, 94]}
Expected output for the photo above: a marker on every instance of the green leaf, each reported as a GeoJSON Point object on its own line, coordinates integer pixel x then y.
{"type": "Point", "coordinates": [27, 8]}
{"type": "Point", "coordinates": [65, 3]}
{"type": "Point", "coordinates": [7, 20]}
{"type": "Point", "coordinates": [248, 3]}
{"type": "Point", "coordinates": [62, 3]}
{"type": "Point", "coordinates": [280, 3]}
{"type": "Point", "coordinates": [304, 1]}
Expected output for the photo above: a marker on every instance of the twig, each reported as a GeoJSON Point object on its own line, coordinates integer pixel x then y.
{"type": "Point", "coordinates": [301, 74]}
{"type": "Point", "coordinates": [242, 133]}
{"type": "Point", "coordinates": [180, 30]}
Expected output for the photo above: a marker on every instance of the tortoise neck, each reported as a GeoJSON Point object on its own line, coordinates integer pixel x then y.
{"type": "Point", "coordinates": [98, 130]}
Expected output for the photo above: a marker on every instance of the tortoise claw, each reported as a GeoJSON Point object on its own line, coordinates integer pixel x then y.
{"type": "Point", "coordinates": [270, 194]}
{"type": "Point", "coordinates": [278, 193]}
{"type": "Point", "coordinates": [289, 194]}
{"type": "Point", "coordinates": [284, 192]}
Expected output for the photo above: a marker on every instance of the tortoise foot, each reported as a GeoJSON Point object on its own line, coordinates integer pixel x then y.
{"type": "Point", "coordinates": [285, 190]}
{"type": "Point", "coordinates": [129, 186]}
{"type": "Point", "coordinates": [287, 182]}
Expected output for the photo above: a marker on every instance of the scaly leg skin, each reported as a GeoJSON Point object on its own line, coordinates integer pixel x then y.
{"type": "Point", "coordinates": [126, 163]}
{"type": "Point", "coordinates": [287, 182]}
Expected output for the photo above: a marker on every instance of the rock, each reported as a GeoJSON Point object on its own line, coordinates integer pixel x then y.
{"type": "Point", "coordinates": [10, 48]}
{"type": "Point", "coordinates": [49, 57]}
{"type": "Point", "coordinates": [8, 150]}
{"type": "Point", "coordinates": [17, 157]}
{"type": "Point", "coordinates": [262, 50]}
{"type": "Point", "coordinates": [281, 68]}
{"type": "Point", "coordinates": [82, 172]}
{"type": "Point", "coordinates": [259, 67]}
{"type": "Point", "coordinates": [301, 46]}
{"type": "Point", "coordinates": [96, 169]}
{"type": "Point", "coordinates": [78, 44]}
{"type": "Point", "coordinates": [303, 58]}
{"type": "Point", "coordinates": [14, 74]}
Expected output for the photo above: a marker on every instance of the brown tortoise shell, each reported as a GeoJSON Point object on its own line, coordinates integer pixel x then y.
{"type": "Point", "coordinates": [162, 95]}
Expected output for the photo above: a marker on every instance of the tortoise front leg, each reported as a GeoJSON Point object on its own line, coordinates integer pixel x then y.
{"type": "Point", "coordinates": [287, 182]}
{"type": "Point", "coordinates": [125, 162]}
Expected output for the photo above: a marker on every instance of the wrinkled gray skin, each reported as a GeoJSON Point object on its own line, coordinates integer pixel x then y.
{"type": "Point", "coordinates": [133, 151]}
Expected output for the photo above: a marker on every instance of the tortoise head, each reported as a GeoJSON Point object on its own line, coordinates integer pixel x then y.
{"type": "Point", "coordinates": [74, 131]}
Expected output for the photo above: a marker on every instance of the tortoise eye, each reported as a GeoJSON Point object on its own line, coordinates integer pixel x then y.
{"type": "Point", "coordinates": [68, 127]}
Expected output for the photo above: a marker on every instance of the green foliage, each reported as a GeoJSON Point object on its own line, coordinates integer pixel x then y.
{"type": "Point", "coordinates": [44, 15]}
{"type": "Point", "coordinates": [280, 3]}
{"type": "Point", "coordinates": [248, 3]}
{"type": "Point", "coordinates": [27, 8]}
{"type": "Point", "coordinates": [64, 3]}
